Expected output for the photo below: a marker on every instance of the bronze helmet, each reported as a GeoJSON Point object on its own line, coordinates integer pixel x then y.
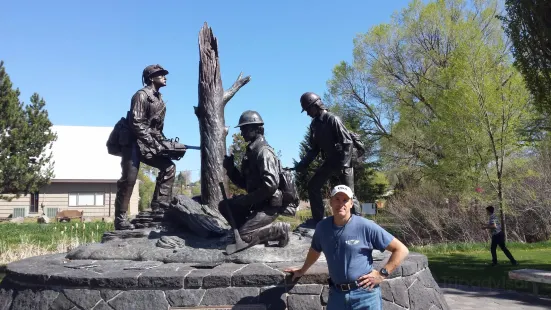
{"type": "Point", "coordinates": [309, 98]}
{"type": "Point", "coordinates": [152, 70]}
{"type": "Point", "coordinates": [250, 117]}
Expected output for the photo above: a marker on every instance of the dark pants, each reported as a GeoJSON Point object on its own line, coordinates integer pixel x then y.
{"type": "Point", "coordinates": [499, 239]}
{"type": "Point", "coordinates": [318, 180]}
{"type": "Point", "coordinates": [130, 164]}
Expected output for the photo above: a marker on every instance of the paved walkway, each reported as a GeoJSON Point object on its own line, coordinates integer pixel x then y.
{"type": "Point", "coordinates": [469, 298]}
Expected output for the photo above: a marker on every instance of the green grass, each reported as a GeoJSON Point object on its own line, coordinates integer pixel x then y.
{"type": "Point", "coordinates": [457, 247]}
{"type": "Point", "coordinates": [48, 235]}
{"type": "Point", "coordinates": [20, 241]}
{"type": "Point", "coordinates": [469, 264]}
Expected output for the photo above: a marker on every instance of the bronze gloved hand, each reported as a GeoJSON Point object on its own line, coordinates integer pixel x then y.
{"type": "Point", "coordinates": [300, 167]}
{"type": "Point", "coordinates": [228, 162]}
{"type": "Point", "coordinates": [239, 201]}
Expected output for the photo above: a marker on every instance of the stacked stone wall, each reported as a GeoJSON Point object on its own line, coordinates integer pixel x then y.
{"type": "Point", "coordinates": [53, 282]}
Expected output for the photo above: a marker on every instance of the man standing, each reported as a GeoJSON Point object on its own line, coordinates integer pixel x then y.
{"type": "Point", "coordinates": [498, 237]}
{"type": "Point", "coordinates": [143, 140]}
{"type": "Point", "coordinates": [347, 241]}
{"type": "Point", "coordinates": [255, 212]}
{"type": "Point", "coordinates": [330, 136]}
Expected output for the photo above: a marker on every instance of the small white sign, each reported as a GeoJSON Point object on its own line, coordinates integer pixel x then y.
{"type": "Point", "coordinates": [369, 208]}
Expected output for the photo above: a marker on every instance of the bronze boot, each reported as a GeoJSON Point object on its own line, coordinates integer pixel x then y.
{"type": "Point", "coordinates": [277, 231]}
{"type": "Point", "coordinates": [283, 229]}
{"type": "Point", "coordinates": [122, 222]}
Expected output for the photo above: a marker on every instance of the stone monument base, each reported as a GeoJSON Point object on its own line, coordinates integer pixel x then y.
{"type": "Point", "coordinates": [155, 245]}
{"type": "Point", "coordinates": [55, 282]}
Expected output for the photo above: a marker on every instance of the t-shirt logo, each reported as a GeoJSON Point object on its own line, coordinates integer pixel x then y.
{"type": "Point", "coordinates": [352, 242]}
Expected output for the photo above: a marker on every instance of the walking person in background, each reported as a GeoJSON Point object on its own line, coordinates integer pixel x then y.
{"type": "Point", "coordinates": [498, 237]}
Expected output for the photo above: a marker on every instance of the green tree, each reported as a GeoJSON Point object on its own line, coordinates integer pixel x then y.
{"type": "Point", "coordinates": [151, 172]}
{"type": "Point", "coordinates": [196, 188]}
{"type": "Point", "coordinates": [237, 149]}
{"type": "Point", "coordinates": [25, 140]}
{"type": "Point", "coordinates": [437, 89]}
{"type": "Point", "coordinates": [147, 186]}
{"type": "Point", "coordinates": [302, 177]}
{"type": "Point", "coordinates": [528, 25]}
{"type": "Point", "coordinates": [181, 183]}
{"type": "Point", "coordinates": [396, 79]}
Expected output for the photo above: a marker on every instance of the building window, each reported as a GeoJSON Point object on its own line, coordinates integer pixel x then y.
{"type": "Point", "coordinates": [33, 206]}
{"type": "Point", "coordinates": [86, 199]}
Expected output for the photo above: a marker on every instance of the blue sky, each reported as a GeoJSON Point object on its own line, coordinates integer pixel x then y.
{"type": "Point", "coordinates": [86, 58]}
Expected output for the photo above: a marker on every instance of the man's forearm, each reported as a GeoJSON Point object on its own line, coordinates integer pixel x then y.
{"type": "Point", "coordinates": [396, 259]}
{"type": "Point", "coordinates": [311, 258]}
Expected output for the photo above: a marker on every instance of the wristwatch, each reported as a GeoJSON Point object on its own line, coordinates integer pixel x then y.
{"type": "Point", "coordinates": [383, 272]}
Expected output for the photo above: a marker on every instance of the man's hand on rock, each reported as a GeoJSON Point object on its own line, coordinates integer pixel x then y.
{"type": "Point", "coordinates": [297, 272]}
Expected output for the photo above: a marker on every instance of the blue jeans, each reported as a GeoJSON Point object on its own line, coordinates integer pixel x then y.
{"type": "Point", "coordinates": [358, 299]}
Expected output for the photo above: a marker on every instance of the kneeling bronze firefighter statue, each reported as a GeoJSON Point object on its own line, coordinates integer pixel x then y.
{"type": "Point", "coordinates": [254, 214]}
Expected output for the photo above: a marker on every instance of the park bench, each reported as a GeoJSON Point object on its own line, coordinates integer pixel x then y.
{"type": "Point", "coordinates": [531, 275]}
{"type": "Point", "coordinates": [68, 215]}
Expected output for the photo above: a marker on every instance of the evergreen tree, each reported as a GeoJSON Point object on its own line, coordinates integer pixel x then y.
{"type": "Point", "coordinates": [302, 177]}
{"type": "Point", "coordinates": [238, 149]}
{"type": "Point", "coordinates": [25, 142]}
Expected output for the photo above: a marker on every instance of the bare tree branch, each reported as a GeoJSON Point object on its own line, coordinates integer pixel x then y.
{"type": "Point", "coordinates": [240, 82]}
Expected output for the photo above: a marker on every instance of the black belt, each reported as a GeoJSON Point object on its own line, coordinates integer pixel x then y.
{"type": "Point", "coordinates": [344, 287]}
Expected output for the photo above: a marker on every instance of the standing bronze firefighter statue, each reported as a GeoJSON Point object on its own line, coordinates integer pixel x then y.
{"type": "Point", "coordinates": [254, 213]}
{"type": "Point", "coordinates": [336, 143]}
{"type": "Point", "coordinates": [139, 138]}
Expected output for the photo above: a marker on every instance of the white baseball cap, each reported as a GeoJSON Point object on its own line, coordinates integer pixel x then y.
{"type": "Point", "coordinates": [342, 189]}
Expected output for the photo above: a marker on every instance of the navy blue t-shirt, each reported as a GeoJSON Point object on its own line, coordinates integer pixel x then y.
{"type": "Point", "coordinates": [348, 248]}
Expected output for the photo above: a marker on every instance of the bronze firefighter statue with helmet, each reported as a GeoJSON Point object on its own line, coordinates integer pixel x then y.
{"type": "Point", "coordinates": [329, 136]}
{"type": "Point", "coordinates": [255, 212]}
{"type": "Point", "coordinates": [140, 138]}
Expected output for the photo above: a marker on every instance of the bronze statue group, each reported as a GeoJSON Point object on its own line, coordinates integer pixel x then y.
{"type": "Point", "coordinates": [346, 240]}
{"type": "Point", "coordinates": [140, 138]}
